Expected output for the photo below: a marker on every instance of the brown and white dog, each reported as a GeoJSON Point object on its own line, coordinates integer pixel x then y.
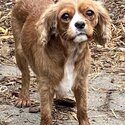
{"type": "Point", "coordinates": [53, 38]}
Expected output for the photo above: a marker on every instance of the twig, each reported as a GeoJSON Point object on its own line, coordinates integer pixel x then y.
{"type": "Point", "coordinates": [114, 113]}
{"type": "Point", "coordinates": [123, 28]}
{"type": "Point", "coordinates": [6, 37]}
{"type": "Point", "coordinates": [98, 116]}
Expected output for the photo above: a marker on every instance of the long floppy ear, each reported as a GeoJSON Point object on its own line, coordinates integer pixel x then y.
{"type": "Point", "coordinates": [103, 28]}
{"type": "Point", "coordinates": [46, 25]}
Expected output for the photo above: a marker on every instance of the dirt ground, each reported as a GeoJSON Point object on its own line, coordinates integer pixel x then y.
{"type": "Point", "coordinates": [106, 95]}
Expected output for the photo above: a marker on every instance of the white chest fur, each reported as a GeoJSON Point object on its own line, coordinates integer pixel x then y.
{"type": "Point", "coordinates": [66, 84]}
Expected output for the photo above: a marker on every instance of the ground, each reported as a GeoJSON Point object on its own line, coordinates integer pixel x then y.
{"type": "Point", "coordinates": [106, 94]}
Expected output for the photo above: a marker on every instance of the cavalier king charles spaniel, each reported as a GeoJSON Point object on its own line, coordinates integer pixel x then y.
{"type": "Point", "coordinates": [53, 38]}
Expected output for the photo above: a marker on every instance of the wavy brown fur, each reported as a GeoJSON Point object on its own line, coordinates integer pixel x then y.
{"type": "Point", "coordinates": [38, 43]}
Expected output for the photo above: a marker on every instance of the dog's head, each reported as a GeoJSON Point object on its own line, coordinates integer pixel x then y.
{"type": "Point", "coordinates": [75, 20]}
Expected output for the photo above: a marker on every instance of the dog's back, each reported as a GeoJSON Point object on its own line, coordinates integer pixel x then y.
{"type": "Point", "coordinates": [25, 8]}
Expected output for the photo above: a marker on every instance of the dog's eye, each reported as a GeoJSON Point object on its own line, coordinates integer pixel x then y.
{"type": "Point", "coordinates": [65, 16]}
{"type": "Point", "coordinates": [89, 13]}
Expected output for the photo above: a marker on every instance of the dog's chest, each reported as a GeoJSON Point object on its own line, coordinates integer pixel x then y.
{"type": "Point", "coordinates": [66, 84]}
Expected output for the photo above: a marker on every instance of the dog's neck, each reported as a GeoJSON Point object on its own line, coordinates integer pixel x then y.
{"type": "Point", "coordinates": [72, 47]}
{"type": "Point", "coordinates": [65, 49]}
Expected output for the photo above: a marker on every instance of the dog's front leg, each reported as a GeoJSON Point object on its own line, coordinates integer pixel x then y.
{"type": "Point", "coordinates": [46, 97]}
{"type": "Point", "coordinates": [80, 92]}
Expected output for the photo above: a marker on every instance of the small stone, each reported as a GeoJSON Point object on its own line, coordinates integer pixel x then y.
{"type": "Point", "coordinates": [112, 80]}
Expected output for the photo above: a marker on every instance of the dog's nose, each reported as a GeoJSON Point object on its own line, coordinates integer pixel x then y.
{"type": "Point", "coordinates": [79, 25]}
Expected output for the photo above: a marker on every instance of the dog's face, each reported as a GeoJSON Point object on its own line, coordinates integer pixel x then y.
{"type": "Point", "coordinates": [77, 21]}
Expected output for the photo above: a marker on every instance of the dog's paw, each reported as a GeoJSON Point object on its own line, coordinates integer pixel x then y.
{"type": "Point", "coordinates": [23, 103]}
{"type": "Point", "coordinates": [86, 123]}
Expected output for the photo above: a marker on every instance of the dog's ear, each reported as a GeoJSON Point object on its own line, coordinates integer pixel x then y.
{"type": "Point", "coordinates": [102, 33]}
{"type": "Point", "coordinates": [47, 25]}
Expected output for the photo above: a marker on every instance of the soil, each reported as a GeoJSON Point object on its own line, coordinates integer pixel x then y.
{"type": "Point", "coordinates": [106, 93]}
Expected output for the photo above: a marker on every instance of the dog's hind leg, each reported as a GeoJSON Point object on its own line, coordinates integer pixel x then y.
{"type": "Point", "coordinates": [24, 99]}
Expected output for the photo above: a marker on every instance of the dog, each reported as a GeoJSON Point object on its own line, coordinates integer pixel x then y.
{"type": "Point", "coordinates": [53, 38]}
